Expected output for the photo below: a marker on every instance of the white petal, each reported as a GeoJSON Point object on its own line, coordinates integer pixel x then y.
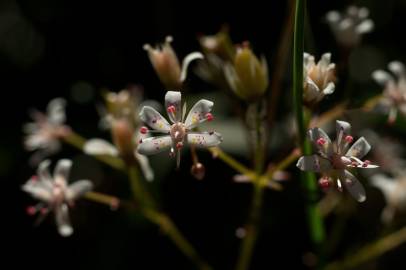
{"type": "Point", "coordinates": [62, 220]}
{"type": "Point", "coordinates": [154, 145]}
{"type": "Point", "coordinates": [312, 92]}
{"type": "Point", "coordinates": [382, 77]}
{"type": "Point", "coordinates": [56, 111]}
{"type": "Point", "coordinates": [204, 139]}
{"type": "Point", "coordinates": [397, 68]}
{"type": "Point", "coordinates": [154, 119]}
{"type": "Point", "coordinates": [78, 189]}
{"type": "Point", "coordinates": [329, 88]}
{"type": "Point", "coordinates": [354, 187]}
{"type": "Point", "coordinates": [186, 62]}
{"type": "Point", "coordinates": [43, 170]}
{"type": "Point", "coordinates": [145, 166]}
{"type": "Point", "coordinates": [198, 113]}
{"type": "Point", "coordinates": [324, 61]}
{"type": "Point", "coordinates": [174, 98]}
{"type": "Point", "coordinates": [359, 149]}
{"type": "Point", "coordinates": [62, 170]}
{"type": "Point", "coordinates": [343, 129]}
{"type": "Point", "coordinates": [38, 191]}
{"type": "Point", "coordinates": [99, 147]}
{"type": "Point", "coordinates": [313, 163]}
{"type": "Point", "coordinates": [365, 27]}
{"type": "Point", "coordinates": [333, 16]}
{"type": "Point", "coordinates": [315, 134]}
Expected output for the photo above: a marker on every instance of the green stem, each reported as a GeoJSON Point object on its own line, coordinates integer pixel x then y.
{"type": "Point", "coordinates": [315, 222]}
{"type": "Point", "coordinates": [251, 228]}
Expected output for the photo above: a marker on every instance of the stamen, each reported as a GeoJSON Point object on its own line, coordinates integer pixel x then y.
{"type": "Point", "coordinates": [324, 183]}
{"type": "Point", "coordinates": [366, 163]}
{"type": "Point", "coordinates": [321, 141]}
{"type": "Point", "coordinates": [171, 109]}
{"type": "Point", "coordinates": [209, 117]}
{"type": "Point", "coordinates": [179, 145]}
{"type": "Point", "coordinates": [349, 139]}
{"type": "Point", "coordinates": [34, 179]}
{"type": "Point", "coordinates": [143, 130]}
{"type": "Point", "coordinates": [31, 210]}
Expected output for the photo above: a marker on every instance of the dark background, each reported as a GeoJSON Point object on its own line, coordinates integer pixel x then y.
{"type": "Point", "coordinates": [48, 48]}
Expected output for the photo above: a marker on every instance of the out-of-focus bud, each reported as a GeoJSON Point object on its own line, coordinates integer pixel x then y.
{"type": "Point", "coordinates": [248, 76]}
{"type": "Point", "coordinates": [318, 79]}
{"type": "Point", "coordinates": [123, 134]}
{"type": "Point", "coordinates": [119, 104]}
{"type": "Point", "coordinates": [198, 171]}
{"type": "Point", "coordinates": [166, 64]}
{"type": "Point", "coordinates": [219, 44]}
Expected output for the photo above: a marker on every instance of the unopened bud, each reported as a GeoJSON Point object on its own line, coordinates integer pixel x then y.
{"type": "Point", "coordinates": [123, 133]}
{"type": "Point", "coordinates": [219, 44]}
{"type": "Point", "coordinates": [248, 77]}
{"type": "Point", "coordinates": [166, 64]}
{"type": "Point", "coordinates": [198, 171]}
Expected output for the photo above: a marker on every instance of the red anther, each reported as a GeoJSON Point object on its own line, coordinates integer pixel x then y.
{"type": "Point", "coordinates": [209, 116]}
{"type": "Point", "coordinates": [349, 139]}
{"type": "Point", "coordinates": [34, 178]}
{"type": "Point", "coordinates": [321, 141]}
{"type": "Point", "coordinates": [43, 210]}
{"type": "Point", "coordinates": [179, 145]}
{"type": "Point", "coordinates": [324, 183]}
{"type": "Point", "coordinates": [171, 109]}
{"type": "Point", "coordinates": [31, 210]}
{"type": "Point", "coordinates": [143, 130]}
{"type": "Point", "coordinates": [354, 163]}
{"type": "Point", "coordinates": [366, 163]}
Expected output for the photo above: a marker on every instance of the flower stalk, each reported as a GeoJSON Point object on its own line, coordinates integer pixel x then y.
{"type": "Point", "coordinates": [315, 222]}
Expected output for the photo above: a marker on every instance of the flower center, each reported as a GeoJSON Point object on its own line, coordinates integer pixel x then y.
{"type": "Point", "coordinates": [339, 162]}
{"type": "Point", "coordinates": [178, 132]}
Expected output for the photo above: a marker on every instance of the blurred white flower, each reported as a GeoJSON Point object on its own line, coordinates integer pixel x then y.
{"type": "Point", "coordinates": [394, 190]}
{"type": "Point", "coordinates": [394, 93]}
{"type": "Point", "coordinates": [334, 160]}
{"type": "Point", "coordinates": [348, 27]}
{"type": "Point", "coordinates": [318, 79]}
{"type": "Point", "coordinates": [175, 135]}
{"type": "Point", "coordinates": [44, 134]}
{"type": "Point", "coordinates": [55, 194]}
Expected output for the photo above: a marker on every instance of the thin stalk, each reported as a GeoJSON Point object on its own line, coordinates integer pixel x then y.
{"type": "Point", "coordinates": [251, 228]}
{"type": "Point", "coordinates": [315, 222]}
{"type": "Point", "coordinates": [371, 251]}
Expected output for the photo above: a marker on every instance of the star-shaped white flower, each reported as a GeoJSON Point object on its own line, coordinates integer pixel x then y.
{"type": "Point", "coordinates": [349, 27]}
{"type": "Point", "coordinates": [334, 160]}
{"type": "Point", "coordinates": [55, 194]}
{"type": "Point", "coordinates": [394, 93]}
{"type": "Point", "coordinates": [44, 134]}
{"type": "Point", "coordinates": [175, 135]}
{"type": "Point", "coordinates": [318, 79]}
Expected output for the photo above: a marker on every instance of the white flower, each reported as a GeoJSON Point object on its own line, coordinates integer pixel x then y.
{"type": "Point", "coordinates": [349, 27]}
{"type": "Point", "coordinates": [394, 191]}
{"type": "Point", "coordinates": [334, 160]}
{"type": "Point", "coordinates": [394, 93]}
{"type": "Point", "coordinates": [318, 79]}
{"type": "Point", "coordinates": [166, 63]}
{"type": "Point", "coordinates": [180, 131]}
{"type": "Point", "coordinates": [54, 192]}
{"type": "Point", "coordinates": [44, 134]}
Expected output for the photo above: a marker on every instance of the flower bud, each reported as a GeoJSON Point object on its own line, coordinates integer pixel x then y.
{"type": "Point", "coordinates": [248, 77]}
{"type": "Point", "coordinates": [122, 133]}
{"type": "Point", "coordinates": [219, 44]}
{"type": "Point", "coordinates": [166, 64]}
{"type": "Point", "coordinates": [198, 171]}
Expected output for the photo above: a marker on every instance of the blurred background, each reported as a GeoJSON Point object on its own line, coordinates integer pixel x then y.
{"type": "Point", "coordinates": [74, 49]}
